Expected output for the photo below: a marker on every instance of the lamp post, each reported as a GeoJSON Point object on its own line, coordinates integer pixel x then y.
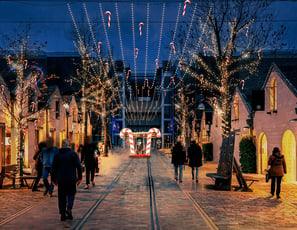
{"type": "Point", "coordinates": [66, 106]}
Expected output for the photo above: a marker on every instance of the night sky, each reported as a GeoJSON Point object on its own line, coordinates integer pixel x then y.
{"type": "Point", "coordinates": [51, 21]}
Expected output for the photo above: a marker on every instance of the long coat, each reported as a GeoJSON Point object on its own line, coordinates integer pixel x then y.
{"type": "Point", "coordinates": [67, 170]}
{"type": "Point", "coordinates": [278, 165]}
{"type": "Point", "coordinates": [178, 154]}
{"type": "Point", "coordinates": [88, 155]}
{"type": "Point", "coordinates": [195, 155]}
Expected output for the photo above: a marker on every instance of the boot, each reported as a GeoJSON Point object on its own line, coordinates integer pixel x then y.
{"type": "Point", "coordinates": [69, 214]}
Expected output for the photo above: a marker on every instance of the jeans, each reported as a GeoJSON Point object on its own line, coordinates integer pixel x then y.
{"type": "Point", "coordinates": [197, 172]}
{"type": "Point", "coordinates": [65, 200]}
{"type": "Point", "coordinates": [88, 171]}
{"type": "Point", "coordinates": [278, 185]}
{"type": "Point", "coordinates": [39, 175]}
{"type": "Point", "coordinates": [49, 186]}
{"type": "Point", "coordinates": [179, 175]}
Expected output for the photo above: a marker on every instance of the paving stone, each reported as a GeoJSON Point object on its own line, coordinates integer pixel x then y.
{"type": "Point", "coordinates": [124, 201]}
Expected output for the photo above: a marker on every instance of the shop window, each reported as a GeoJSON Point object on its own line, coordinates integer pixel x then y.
{"type": "Point", "coordinates": [236, 108]}
{"type": "Point", "coordinates": [74, 115]}
{"type": "Point", "coordinates": [57, 109]}
{"type": "Point", "coordinates": [273, 95]}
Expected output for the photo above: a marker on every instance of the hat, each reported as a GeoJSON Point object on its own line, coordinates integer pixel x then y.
{"type": "Point", "coordinates": [275, 150]}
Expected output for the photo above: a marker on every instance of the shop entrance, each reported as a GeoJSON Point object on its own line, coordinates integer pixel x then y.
{"type": "Point", "coordinates": [289, 151]}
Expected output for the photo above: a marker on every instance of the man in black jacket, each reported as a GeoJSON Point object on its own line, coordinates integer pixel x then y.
{"type": "Point", "coordinates": [89, 153]}
{"type": "Point", "coordinates": [67, 173]}
{"type": "Point", "coordinates": [178, 159]}
{"type": "Point", "coordinates": [195, 158]}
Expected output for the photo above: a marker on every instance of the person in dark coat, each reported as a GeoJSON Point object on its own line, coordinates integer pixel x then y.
{"type": "Point", "coordinates": [195, 158]}
{"type": "Point", "coordinates": [38, 166]}
{"type": "Point", "coordinates": [88, 158]}
{"type": "Point", "coordinates": [66, 173]}
{"type": "Point", "coordinates": [178, 159]}
{"type": "Point", "coordinates": [277, 169]}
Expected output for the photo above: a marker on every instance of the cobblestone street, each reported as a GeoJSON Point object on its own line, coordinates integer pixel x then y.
{"type": "Point", "coordinates": [121, 200]}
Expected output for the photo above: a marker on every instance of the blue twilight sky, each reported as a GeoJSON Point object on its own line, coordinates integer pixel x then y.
{"type": "Point", "coordinates": [51, 21]}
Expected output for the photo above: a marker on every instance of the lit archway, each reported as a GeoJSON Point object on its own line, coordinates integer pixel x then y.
{"type": "Point", "coordinates": [262, 154]}
{"type": "Point", "coordinates": [289, 151]}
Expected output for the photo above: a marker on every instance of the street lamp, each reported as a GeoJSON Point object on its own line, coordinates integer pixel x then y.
{"type": "Point", "coordinates": [66, 107]}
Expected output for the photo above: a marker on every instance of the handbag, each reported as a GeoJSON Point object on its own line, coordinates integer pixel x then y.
{"type": "Point", "coordinates": [267, 178]}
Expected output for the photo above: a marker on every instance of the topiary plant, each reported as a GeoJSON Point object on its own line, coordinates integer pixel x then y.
{"type": "Point", "coordinates": [248, 159]}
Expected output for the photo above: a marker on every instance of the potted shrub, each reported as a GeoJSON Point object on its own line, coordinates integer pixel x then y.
{"type": "Point", "coordinates": [247, 153]}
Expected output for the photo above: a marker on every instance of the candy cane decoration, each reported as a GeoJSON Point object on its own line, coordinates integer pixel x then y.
{"type": "Point", "coordinates": [107, 66]}
{"type": "Point", "coordinates": [172, 79]}
{"type": "Point", "coordinates": [9, 60]}
{"type": "Point", "coordinates": [227, 60]}
{"type": "Point", "coordinates": [180, 65]}
{"type": "Point", "coordinates": [128, 73]}
{"type": "Point", "coordinates": [131, 139]}
{"type": "Point", "coordinates": [156, 61]}
{"type": "Point", "coordinates": [146, 80]}
{"type": "Point", "coordinates": [70, 82]}
{"type": "Point", "coordinates": [33, 106]}
{"type": "Point", "coordinates": [242, 81]}
{"type": "Point", "coordinates": [173, 47]}
{"type": "Point", "coordinates": [136, 52]}
{"type": "Point", "coordinates": [25, 64]}
{"type": "Point", "coordinates": [185, 6]}
{"type": "Point", "coordinates": [201, 78]}
{"type": "Point", "coordinates": [36, 124]}
{"type": "Point", "coordinates": [109, 16]}
{"type": "Point", "coordinates": [99, 47]}
{"type": "Point", "coordinates": [2, 89]}
{"type": "Point", "coordinates": [77, 71]}
{"type": "Point", "coordinates": [140, 30]}
{"type": "Point", "coordinates": [222, 85]}
{"type": "Point", "coordinates": [149, 138]}
{"type": "Point", "coordinates": [259, 54]}
{"type": "Point", "coordinates": [214, 100]}
{"type": "Point", "coordinates": [247, 31]}
{"type": "Point", "coordinates": [204, 48]}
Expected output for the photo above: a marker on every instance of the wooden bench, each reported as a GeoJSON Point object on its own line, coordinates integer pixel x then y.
{"type": "Point", "coordinates": [28, 177]}
{"type": "Point", "coordinates": [242, 180]}
{"type": "Point", "coordinates": [9, 171]}
{"type": "Point", "coordinates": [223, 176]}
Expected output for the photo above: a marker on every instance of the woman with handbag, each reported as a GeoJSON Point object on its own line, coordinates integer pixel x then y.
{"type": "Point", "coordinates": [277, 169]}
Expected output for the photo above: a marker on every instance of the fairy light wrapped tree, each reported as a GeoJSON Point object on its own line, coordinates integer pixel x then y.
{"type": "Point", "coordinates": [20, 93]}
{"type": "Point", "coordinates": [184, 111]}
{"type": "Point", "coordinates": [226, 47]}
{"type": "Point", "coordinates": [98, 89]}
{"type": "Point", "coordinates": [97, 77]}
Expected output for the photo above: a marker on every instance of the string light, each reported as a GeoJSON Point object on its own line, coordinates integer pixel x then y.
{"type": "Point", "coordinates": [259, 56]}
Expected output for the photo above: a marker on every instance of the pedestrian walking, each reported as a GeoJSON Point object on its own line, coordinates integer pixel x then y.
{"type": "Point", "coordinates": [38, 166]}
{"type": "Point", "coordinates": [67, 173]}
{"type": "Point", "coordinates": [88, 158]}
{"type": "Point", "coordinates": [277, 169]}
{"type": "Point", "coordinates": [47, 156]}
{"type": "Point", "coordinates": [195, 158]}
{"type": "Point", "coordinates": [79, 155]}
{"type": "Point", "coordinates": [178, 159]}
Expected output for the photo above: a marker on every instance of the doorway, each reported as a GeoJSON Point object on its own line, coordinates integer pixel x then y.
{"type": "Point", "coordinates": [289, 151]}
{"type": "Point", "coordinates": [262, 154]}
